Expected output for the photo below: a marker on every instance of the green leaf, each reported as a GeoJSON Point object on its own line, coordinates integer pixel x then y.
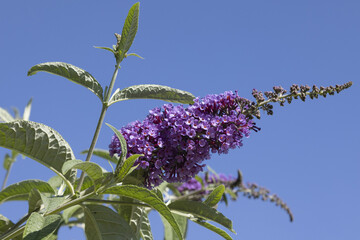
{"type": "Point", "coordinates": [69, 212]}
{"type": "Point", "coordinates": [37, 141]}
{"type": "Point", "coordinates": [128, 164]}
{"type": "Point", "coordinates": [201, 210]}
{"type": "Point", "coordinates": [105, 48]}
{"type": "Point", "coordinates": [103, 154]}
{"type": "Point", "coordinates": [125, 210]}
{"type": "Point", "coordinates": [5, 224]}
{"type": "Point", "coordinates": [8, 161]}
{"type": "Point", "coordinates": [145, 229]}
{"type": "Point", "coordinates": [5, 116]}
{"type": "Point", "coordinates": [93, 170]}
{"type": "Point", "coordinates": [148, 197]}
{"type": "Point", "coordinates": [214, 229]}
{"type": "Point", "coordinates": [39, 227]}
{"type": "Point", "coordinates": [22, 189]}
{"type": "Point", "coordinates": [71, 72]}
{"type": "Point", "coordinates": [34, 201]}
{"type": "Point", "coordinates": [123, 147]}
{"type": "Point", "coordinates": [52, 203]}
{"type": "Point", "coordinates": [135, 55]}
{"type": "Point", "coordinates": [152, 91]}
{"type": "Point", "coordinates": [136, 220]}
{"type": "Point", "coordinates": [102, 223]}
{"type": "Point", "coordinates": [27, 110]}
{"type": "Point", "coordinates": [215, 196]}
{"type": "Point", "coordinates": [129, 31]}
{"type": "Point", "coordinates": [169, 233]}
{"type": "Point", "coordinates": [55, 181]}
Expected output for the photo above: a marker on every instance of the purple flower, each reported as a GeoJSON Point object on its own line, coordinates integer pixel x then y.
{"type": "Point", "coordinates": [176, 140]}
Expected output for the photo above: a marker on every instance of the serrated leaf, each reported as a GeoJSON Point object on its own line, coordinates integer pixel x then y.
{"type": "Point", "coordinates": [214, 229]}
{"type": "Point", "coordinates": [169, 233]}
{"type": "Point", "coordinates": [129, 30]}
{"type": "Point", "coordinates": [127, 165]}
{"type": "Point", "coordinates": [39, 227]}
{"type": "Point", "coordinates": [102, 223]}
{"type": "Point", "coordinates": [5, 224]}
{"type": "Point", "coordinates": [152, 91]}
{"type": "Point", "coordinates": [123, 147]}
{"type": "Point", "coordinates": [148, 197]}
{"type": "Point", "coordinates": [27, 110]}
{"type": "Point", "coordinates": [71, 72]}
{"type": "Point", "coordinates": [34, 200]}
{"type": "Point", "coordinates": [52, 203]}
{"type": "Point", "coordinates": [93, 170]}
{"type": "Point", "coordinates": [103, 154]}
{"type": "Point", "coordinates": [5, 116]}
{"type": "Point", "coordinates": [22, 189]}
{"type": "Point", "coordinates": [37, 141]}
{"type": "Point", "coordinates": [69, 212]}
{"type": "Point", "coordinates": [201, 210]}
{"type": "Point", "coordinates": [215, 196]}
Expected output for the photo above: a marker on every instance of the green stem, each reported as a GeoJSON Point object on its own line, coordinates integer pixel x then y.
{"type": "Point", "coordinates": [100, 122]}
{"type": "Point", "coordinates": [6, 177]}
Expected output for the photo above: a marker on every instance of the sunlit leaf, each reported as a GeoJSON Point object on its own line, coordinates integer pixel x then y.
{"type": "Point", "coordinates": [135, 55]}
{"type": "Point", "coordinates": [71, 72]}
{"type": "Point", "coordinates": [22, 189]}
{"type": "Point", "coordinates": [199, 209]}
{"type": "Point", "coordinates": [148, 197]}
{"type": "Point", "coordinates": [102, 223]}
{"type": "Point", "coordinates": [34, 200]}
{"type": "Point", "coordinates": [215, 196]}
{"type": "Point", "coordinates": [93, 170]}
{"type": "Point", "coordinates": [105, 48]}
{"type": "Point", "coordinates": [152, 91]}
{"type": "Point", "coordinates": [7, 162]}
{"type": "Point", "coordinates": [39, 227]}
{"type": "Point", "coordinates": [123, 147]}
{"type": "Point", "coordinates": [37, 141]}
{"type": "Point", "coordinates": [52, 203]}
{"type": "Point", "coordinates": [5, 116]}
{"type": "Point", "coordinates": [27, 110]}
{"type": "Point", "coordinates": [215, 229]}
{"type": "Point", "coordinates": [103, 154]}
{"type": "Point", "coordinates": [69, 212]}
{"type": "Point", "coordinates": [127, 165]}
{"type": "Point", "coordinates": [169, 233]}
{"type": "Point", "coordinates": [129, 30]}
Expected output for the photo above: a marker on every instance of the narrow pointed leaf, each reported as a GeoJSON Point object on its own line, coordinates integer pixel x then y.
{"type": "Point", "coordinates": [37, 141]}
{"type": "Point", "coordinates": [34, 200]}
{"type": "Point", "coordinates": [145, 230]}
{"type": "Point", "coordinates": [148, 197]}
{"type": "Point", "coordinates": [103, 154]}
{"type": "Point", "coordinates": [71, 72]}
{"type": "Point", "coordinates": [215, 196]}
{"type": "Point", "coordinates": [128, 164]}
{"type": "Point", "coordinates": [152, 91]}
{"type": "Point", "coordinates": [201, 210]}
{"type": "Point", "coordinates": [169, 233]}
{"type": "Point", "coordinates": [93, 170]}
{"type": "Point", "coordinates": [27, 110]}
{"type": "Point", "coordinates": [22, 189]}
{"type": "Point", "coordinates": [137, 217]}
{"type": "Point", "coordinates": [123, 147]}
{"type": "Point", "coordinates": [5, 116]}
{"type": "Point", "coordinates": [211, 227]}
{"type": "Point", "coordinates": [102, 223]}
{"type": "Point", "coordinates": [39, 227]}
{"type": "Point", "coordinates": [8, 161]}
{"type": "Point", "coordinates": [129, 30]}
{"type": "Point", "coordinates": [69, 212]}
{"type": "Point", "coordinates": [106, 48]}
{"type": "Point", "coordinates": [134, 54]}
{"type": "Point", "coordinates": [5, 224]}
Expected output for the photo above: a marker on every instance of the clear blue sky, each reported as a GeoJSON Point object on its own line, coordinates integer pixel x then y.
{"type": "Point", "coordinates": [308, 153]}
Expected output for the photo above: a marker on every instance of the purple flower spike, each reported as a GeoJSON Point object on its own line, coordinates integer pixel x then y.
{"type": "Point", "coordinates": [175, 140]}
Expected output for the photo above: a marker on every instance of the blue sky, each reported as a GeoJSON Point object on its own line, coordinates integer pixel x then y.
{"type": "Point", "coordinates": [307, 153]}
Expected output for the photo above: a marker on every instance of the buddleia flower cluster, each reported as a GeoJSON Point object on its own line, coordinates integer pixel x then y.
{"type": "Point", "coordinates": [197, 189]}
{"type": "Point", "coordinates": [176, 140]}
